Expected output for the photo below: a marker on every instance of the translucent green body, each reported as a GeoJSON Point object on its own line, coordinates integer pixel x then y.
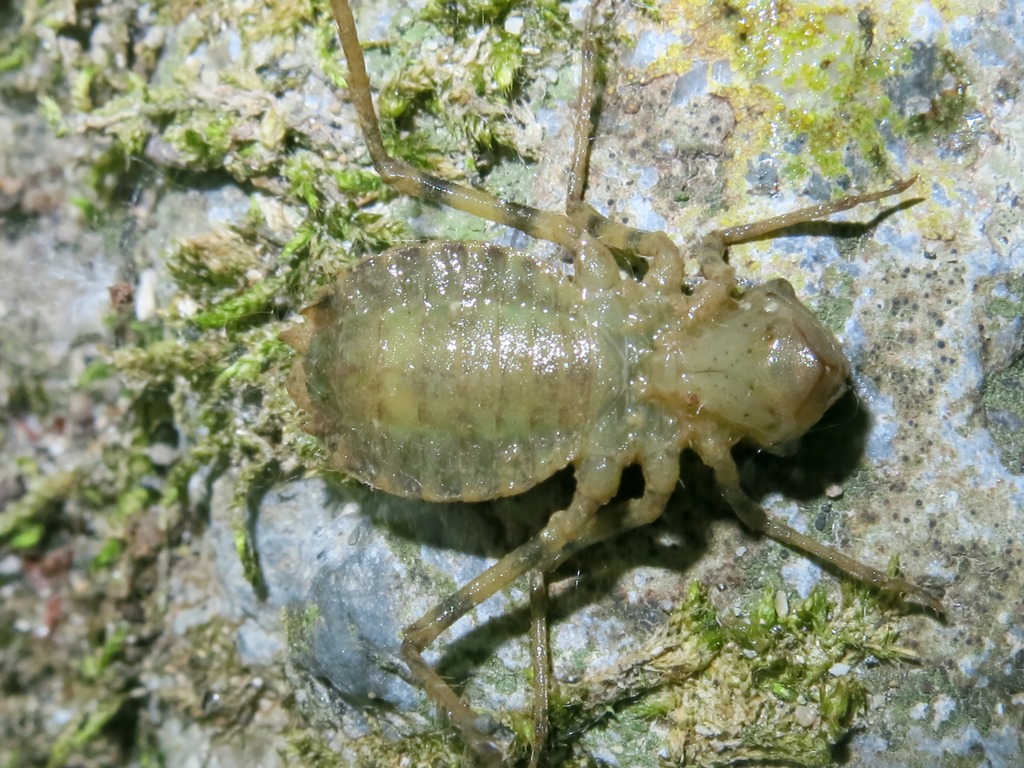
{"type": "Point", "coordinates": [463, 371]}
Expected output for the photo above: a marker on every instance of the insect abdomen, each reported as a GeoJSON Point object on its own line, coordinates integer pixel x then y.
{"type": "Point", "coordinates": [453, 371]}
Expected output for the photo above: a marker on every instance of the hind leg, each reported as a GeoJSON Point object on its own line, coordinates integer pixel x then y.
{"type": "Point", "coordinates": [568, 531]}
{"type": "Point", "coordinates": [541, 553]}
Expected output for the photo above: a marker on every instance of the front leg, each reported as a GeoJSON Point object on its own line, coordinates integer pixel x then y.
{"type": "Point", "coordinates": [720, 277]}
{"type": "Point", "coordinates": [768, 227]}
{"type": "Point", "coordinates": [755, 518]}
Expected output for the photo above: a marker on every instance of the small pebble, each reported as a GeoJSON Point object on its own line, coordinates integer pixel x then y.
{"type": "Point", "coordinates": [805, 716]}
{"type": "Point", "coordinates": [781, 604]}
{"type": "Point", "coordinates": [838, 670]}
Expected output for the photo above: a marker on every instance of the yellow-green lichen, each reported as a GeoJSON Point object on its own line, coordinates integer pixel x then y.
{"type": "Point", "coordinates": [1003, 398]}
{"type": "Point", "coordinates": [826, 77]}
{"type": "Point", "coordinates": [836, 305]}
{"type": "Point", "coordinates": [827, 88]}
{"type": "Point", "coordinates": [1011, 304]}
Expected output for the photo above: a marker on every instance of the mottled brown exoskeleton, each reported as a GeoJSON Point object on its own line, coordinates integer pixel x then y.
{"type": "Point", "coordinates": [465, 371]}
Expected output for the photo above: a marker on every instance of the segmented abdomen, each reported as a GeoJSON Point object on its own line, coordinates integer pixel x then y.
{"type": "Point", "coordinates": [453, 371]}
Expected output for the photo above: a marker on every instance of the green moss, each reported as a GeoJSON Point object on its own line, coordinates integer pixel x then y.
{"type": "Point", "coordinates": [301, 171]}
{"type": "Point", "coordinates": [211, 263]}
{"type": "Point", "coordinates": [357, 181]}
{"type": "Point", "coordinates": [248, 554]}
{"type": "Point", "coordinates": [23, 522]}
{"type": "Point", "coordinates": [108, 556]}
{"type": "Point", "coordinates": [202, 137]}
{"type": "Point", "coordinates": [307, 749]}
{"type": "Point", "coordinates": [14, 59]}
{"type": "Point", "coordinates": [465, 13]}
{"type": "Point", "coordinates": [95, 664]}
{"type": "Point", "coordinates": [53, 115]}
{"type": "Point", "coordinates": [202, 380]}
{"type": "Point", "coordinates": [778, 685]}
{"type": "Point", "coordinates": [505, 62]}
{"type": "Point", "coordinates": [299, 625]}
{"type": "Point", "coordinates": [81, 86]}
{"type": "Point", "coordinates": [282, 18]}
{"type": "Point", "coordinates": [81, 732]}
{"type": "Point", "coordinates": [329, 56]}
{"type": "Point", "coordinates": [465, 106]}
{"type": "Point", "coordinates": [247, 308]}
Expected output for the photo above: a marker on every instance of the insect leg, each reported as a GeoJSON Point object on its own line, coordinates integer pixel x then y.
{"type": "Point", "coordinates": [744, 232]}
{"type": "Point", "coordinates": [666, 262]}
{"type": "Point", "coordinates": [583, 121]}
{"type": "Point", "coordinates": [539, 638]}
{"type": "Point", "coordinates": [755, 518]}
{"type": "Point", "coordinates": [541, 657]}
{"type": "Point", "coordinates": [666, 272]}
{"type": "Point", "coordinates": [720, 277]}
{"type": "Point", "coordinates": [545, 550]}
{"type": "Point", "coordinates": [661, 473]}
{"type": "Point", "coordinates": [583, 523]}
{"type": "Point", "coordinates": [598, 263]}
